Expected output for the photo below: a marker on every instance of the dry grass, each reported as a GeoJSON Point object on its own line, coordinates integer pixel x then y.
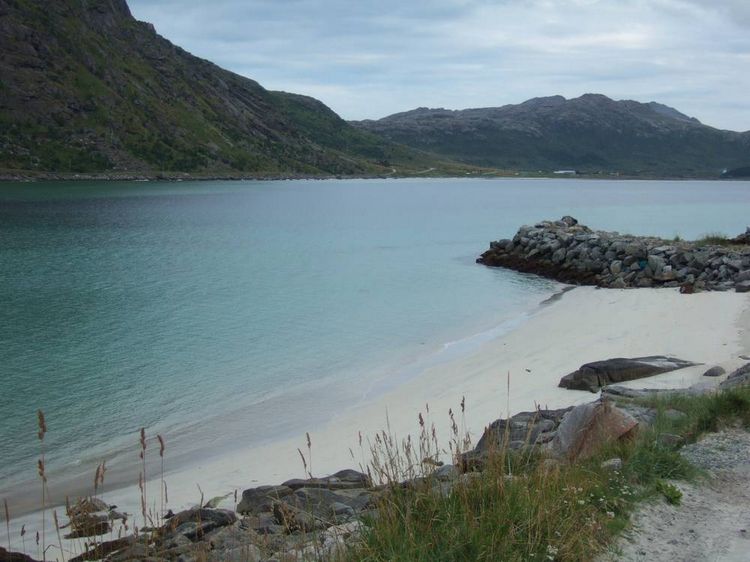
{"type": "Point", "coordinates": [521, 506]}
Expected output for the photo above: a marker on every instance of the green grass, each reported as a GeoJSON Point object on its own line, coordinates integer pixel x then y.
{"type": "Point", "coordinates": [703, 414]}
{"type": "Point", "coordinates": [670, 492]}
{"type": "Point", "coordinates": [713, 239]}
{"type": "Point", "coordinates": [523, 507]}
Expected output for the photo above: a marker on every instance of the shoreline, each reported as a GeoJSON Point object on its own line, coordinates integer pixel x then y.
{"type": "Point", "coordinates": [74, 479]}
{"type": "Point", "coordinates": [483, 377]}
{"type": "Point", "coordinates": [21, 177]}
{"type": "Point", "coordinates": [584, 324]}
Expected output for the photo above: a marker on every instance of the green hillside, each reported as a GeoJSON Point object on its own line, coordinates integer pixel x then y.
{"type": "Point", "coordinates": [84, 87]}
{"type": "Point", "coordinates": [592, 134]}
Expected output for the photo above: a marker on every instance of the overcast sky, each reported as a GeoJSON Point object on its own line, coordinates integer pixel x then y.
{"type": "Point", "coordinates": [368, 58]}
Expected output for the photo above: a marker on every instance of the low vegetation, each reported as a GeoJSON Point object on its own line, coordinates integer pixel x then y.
{"type": "Point", "coordinates": [713, 239]}
{"type": "Point", "coordinates": [521, 506]}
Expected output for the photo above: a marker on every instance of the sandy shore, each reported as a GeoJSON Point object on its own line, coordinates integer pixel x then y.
{"type": "Point", "coordinates": [586, 324]}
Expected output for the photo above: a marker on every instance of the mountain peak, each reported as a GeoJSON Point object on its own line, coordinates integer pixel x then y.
{"type": "Point", "coordinates": [670, 112]}
{"type": "Point", "coordinates": [590, 132]}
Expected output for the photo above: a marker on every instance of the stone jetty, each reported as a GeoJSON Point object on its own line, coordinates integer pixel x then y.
{"type": "Point", "coordinates": [570, 252]}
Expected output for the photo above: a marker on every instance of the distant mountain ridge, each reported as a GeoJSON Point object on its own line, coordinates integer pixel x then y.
{"type": "Point", "coordinates": [590, 133]}
{"type": "Point", "coordinates": [84, 87]}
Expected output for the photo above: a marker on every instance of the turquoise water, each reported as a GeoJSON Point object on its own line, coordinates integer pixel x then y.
{"type": "Point", "coordinates": [226, 314]}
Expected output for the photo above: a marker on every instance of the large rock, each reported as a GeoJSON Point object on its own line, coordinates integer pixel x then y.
{"type": "Point", "coordinates": [716, 371]}
{"type": "Point", "coordinates": [195, 523]}
{"type": "Point", "coordinates": [526, 429]}
{"type": "Point", "coordinates": [616, 392]}
{"type": "Point", "coordinates": [342, 480]}
{"type": "Point", "coordinates": [737, 378]}
{"type": "Point", "coordinates": [6, 556]}
{"type": "Point", "coordinates": [329, 505]}
{"type": "Point", "coordinates": [588, 427]}
{"type": "Point", "coordinates": [261, 499]}
{"type": "Point", "coordinates": [593, 376]}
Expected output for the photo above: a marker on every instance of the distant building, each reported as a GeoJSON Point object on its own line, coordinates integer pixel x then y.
{"type": "Point", "coordinates": [566, 172]}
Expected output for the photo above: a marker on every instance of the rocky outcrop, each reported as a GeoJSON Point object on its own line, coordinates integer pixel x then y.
{"type": "Point", "coordinates": [568, 433]}
{"type": "Point", "coordinates": [593, 376]}
{"type": "Point", "coordinates": [572, 253]}
{"type": "Point", "coordinates": [515, 433]}
{"type": "Point", "coordinates": [278, 523]}
{"type": "Point", "coordinates": [737, 378]}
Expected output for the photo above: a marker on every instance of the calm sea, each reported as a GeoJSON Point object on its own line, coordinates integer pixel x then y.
{"type": "Point", "coordinates": [227, 314]}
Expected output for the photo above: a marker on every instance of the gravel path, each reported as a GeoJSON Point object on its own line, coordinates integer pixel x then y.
{"type": "Point", "coordinates": [713, 521]}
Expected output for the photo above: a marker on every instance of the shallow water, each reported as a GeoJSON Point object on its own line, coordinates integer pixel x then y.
{"type": "Point", "coordinates": [233, 313]}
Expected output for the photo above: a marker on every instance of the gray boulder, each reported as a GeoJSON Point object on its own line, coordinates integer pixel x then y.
{"type": "Point", "coordinates": [195, 523]}
{"type": "Point", "coordinates": [325, 503]}
{"type": "Point", "coordinates": [261, 499]}
{"type": "Point", "coordinates": [737, 378]}
{"type": "Point", "coordinates": [715, 372]}
{"type": "Point", "coordinates": [342, 480]}
{"type": "Point", "coordinates": [593, 376]}
{"type": "Point", "coordinates": [526, 429]}
{"type": "Point", "coordinates": [262, 524]}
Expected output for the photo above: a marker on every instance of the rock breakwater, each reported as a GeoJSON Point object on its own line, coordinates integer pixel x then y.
{"type": "Point", "coordinates": [570, 252]}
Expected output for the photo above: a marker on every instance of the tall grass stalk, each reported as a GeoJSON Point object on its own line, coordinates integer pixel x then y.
{"type": "Point", "coordinates": [162, 448]}
{"type": "Point", "coordinates": [42, 430]}
{"type": "Point", "coordinates": [7, 520]}
{"type": "Point", "coordinates": [57, 530]}
{"type": "Point", "coordinates": [524, 506]}
{"type": "Point", "coordinates": [142, 477]}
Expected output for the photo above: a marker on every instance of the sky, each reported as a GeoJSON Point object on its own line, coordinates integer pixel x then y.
{"type": "Point", "coordinates": [367, 59]}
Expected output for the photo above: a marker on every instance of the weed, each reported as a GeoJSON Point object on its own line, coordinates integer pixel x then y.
{"type": "Point", "coordinates": [670, 492]}
{"type": "Point", "coordinates": [713, 239]}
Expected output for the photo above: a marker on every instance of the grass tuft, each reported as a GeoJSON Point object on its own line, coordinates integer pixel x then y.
{"type": "Point", "coordinates": [670, 492]}
{"type": "Point", "coordinates": [526, 507]}
{"type": "Point", "coordinates": [714, 239]}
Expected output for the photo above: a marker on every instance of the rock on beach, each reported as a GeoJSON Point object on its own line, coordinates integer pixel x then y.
{"type": "Point", "coordinates": [593, 376]}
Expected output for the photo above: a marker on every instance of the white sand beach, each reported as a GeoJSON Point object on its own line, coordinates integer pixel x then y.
{"type": "Point", "coordinates": [586, 324]}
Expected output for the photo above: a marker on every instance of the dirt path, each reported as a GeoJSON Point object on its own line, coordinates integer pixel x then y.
{"type": "Point", "coordinates": [713, 521]}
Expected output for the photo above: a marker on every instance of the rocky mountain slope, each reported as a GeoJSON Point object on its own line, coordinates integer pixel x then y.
{"type": "Point", "coordinates": [84, 87]}
{"type": "Point", "coordinates": [591, 133]}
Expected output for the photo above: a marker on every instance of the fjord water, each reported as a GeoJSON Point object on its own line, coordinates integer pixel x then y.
{"type": "Point", "coordinates": [227, 314]}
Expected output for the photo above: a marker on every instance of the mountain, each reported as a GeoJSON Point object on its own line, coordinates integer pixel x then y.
{"type": "Point", "coordinates": [592, 133]}
{"type": "Point", "coordinates": [84, 87]}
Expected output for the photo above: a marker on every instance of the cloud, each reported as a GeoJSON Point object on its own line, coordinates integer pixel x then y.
{"type": "Point", "coordinates": [368, 59]}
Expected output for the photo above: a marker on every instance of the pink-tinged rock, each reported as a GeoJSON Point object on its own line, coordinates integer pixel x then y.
{"type": "Point", "coordinates": [588, 427]}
